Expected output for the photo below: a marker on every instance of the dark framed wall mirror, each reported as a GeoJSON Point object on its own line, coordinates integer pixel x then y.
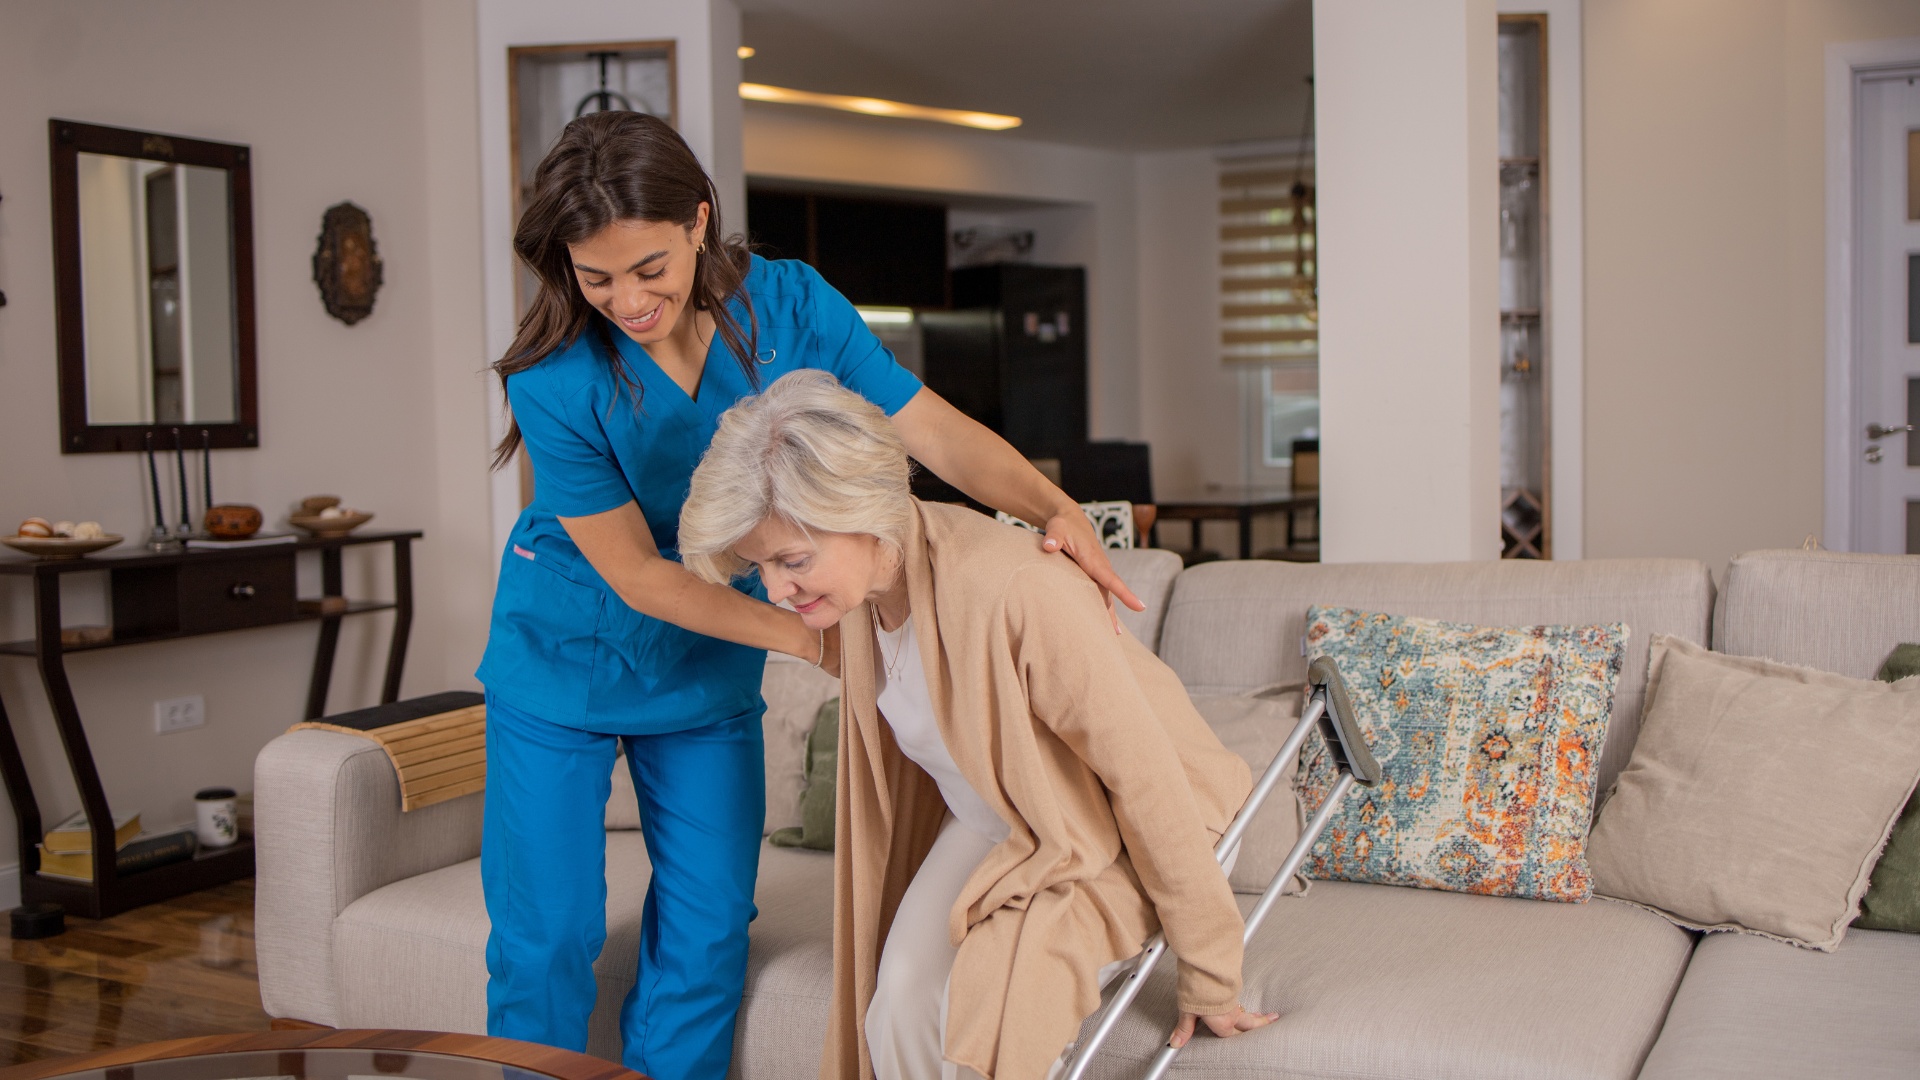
{"type": "Point", "coordinates": [153, 289]}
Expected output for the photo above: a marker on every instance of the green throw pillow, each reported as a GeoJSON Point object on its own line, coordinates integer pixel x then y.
{"type": "Point", "coordinates": [1893, 895]}
{"type": "Point", "coordinates": [1903, 663]}
{"type": "Point", "coordinates": [816, 798]}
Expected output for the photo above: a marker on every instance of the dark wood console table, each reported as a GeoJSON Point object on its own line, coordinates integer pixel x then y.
{"type": "Point", "coordinates": [1240, 505]}
{"type": "Point", "coordinates": [159, 597]}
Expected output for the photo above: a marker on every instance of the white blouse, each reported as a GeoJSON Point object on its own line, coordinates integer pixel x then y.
{"type": "Point", "coordinates": [908, 709]}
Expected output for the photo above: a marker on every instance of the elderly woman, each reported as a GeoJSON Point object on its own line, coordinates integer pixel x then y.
{"type": "Point", "coordinates": [1024, 795]}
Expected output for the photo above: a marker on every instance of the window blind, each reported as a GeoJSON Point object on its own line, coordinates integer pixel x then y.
{"type": "Point", "coordinates": [1268, 272]}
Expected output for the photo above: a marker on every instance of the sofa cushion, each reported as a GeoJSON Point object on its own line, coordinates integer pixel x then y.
{"type": "Point", "coordinates": [1233, 626]}
{"type": "Point", "coordinates": [430, 932]}
{"type": "Point", "coordinates": [1820, 609]}
{"type": "Point", "coordinates": [1379, 982]}
{"type": "Point", "coordinates": [1829, 610]}
{"type": "Point", "coordinates": [1150, 573]}
{"type": "Point", "coordinates": [1759, 796]}
{"type": "Point", "coordinates": [1254, 726]}
{"type": "Point", "coordinates": [1751, 1007]}
{"type": "Point", "coordinates": [623, 803]}
{"type": "Point", "coordinates": [783, 1018]}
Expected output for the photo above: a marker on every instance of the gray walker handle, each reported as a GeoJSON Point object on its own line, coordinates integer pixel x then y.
{"type": "Point", "coordinates": [1329, 708]}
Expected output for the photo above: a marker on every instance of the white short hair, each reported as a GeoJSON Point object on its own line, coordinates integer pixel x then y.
{"type": "Point", "coordinates": [807, 451]}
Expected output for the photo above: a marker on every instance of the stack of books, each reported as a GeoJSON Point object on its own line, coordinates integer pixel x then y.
{"type": "Point", "coordinates": [67, 850]}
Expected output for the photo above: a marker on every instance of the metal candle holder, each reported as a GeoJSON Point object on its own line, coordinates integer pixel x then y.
{"type": "Point", "coordinates": [160, 538]}
{"type": "Point", "coordinates": [184, 531]}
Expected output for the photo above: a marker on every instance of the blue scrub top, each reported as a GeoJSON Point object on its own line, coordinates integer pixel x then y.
{"type": "Point", "coordinates": [563, 646]}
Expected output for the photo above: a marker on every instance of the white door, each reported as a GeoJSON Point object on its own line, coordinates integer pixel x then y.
{"type": "Point", "coordinates": [1887, 223]}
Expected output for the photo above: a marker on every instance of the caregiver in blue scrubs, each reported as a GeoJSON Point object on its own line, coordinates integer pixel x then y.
{"type": "Point", "coordinates": [648, 323]}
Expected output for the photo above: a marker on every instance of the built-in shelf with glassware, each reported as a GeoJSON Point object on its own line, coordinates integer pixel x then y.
{"type": "Point", "coordinates": [1526, 515]}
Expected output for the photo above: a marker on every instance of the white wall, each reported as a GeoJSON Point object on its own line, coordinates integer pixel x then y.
{"type": "Point", "coordinates": [389, 413]}
{"type": "Point", "coordinates": [1406, 161]}
{"type": "Point", "coordinates": [1706, 308]}
{"type": "Point", "coordinates": [1190, 401]}
{"type": "Point", "coordinates": [797, 143]}
{"type": "Point", "coordinates": [705, 33]}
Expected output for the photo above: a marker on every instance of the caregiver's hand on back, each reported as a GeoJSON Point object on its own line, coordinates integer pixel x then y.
{"type": "Point", "coordinates": [1071, 532]}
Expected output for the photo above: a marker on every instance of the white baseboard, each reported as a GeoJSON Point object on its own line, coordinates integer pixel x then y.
{"type": "Point", "coordinates": [9, 887]}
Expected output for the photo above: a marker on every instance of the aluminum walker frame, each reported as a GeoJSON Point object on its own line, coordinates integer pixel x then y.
{"type": "Point", "coordinates": [1331, 710]}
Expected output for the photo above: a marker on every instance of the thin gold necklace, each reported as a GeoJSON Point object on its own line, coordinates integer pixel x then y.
{"type": "Point", "coordinates": [892, 666]}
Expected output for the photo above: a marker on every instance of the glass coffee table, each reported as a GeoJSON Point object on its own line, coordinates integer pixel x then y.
{"type": "Point", "coordinates": [327, 1054]}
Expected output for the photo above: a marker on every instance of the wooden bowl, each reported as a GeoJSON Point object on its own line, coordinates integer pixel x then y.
{"type": "Point", "coordinates": [233, 521]}
{"type": "Point", "coordinates": [333, 526]}
{"type": "Point", "coordinates": [59, 547]}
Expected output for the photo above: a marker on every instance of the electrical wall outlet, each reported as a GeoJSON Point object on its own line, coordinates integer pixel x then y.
{"type": "Point", "coordinates": [179, 714]}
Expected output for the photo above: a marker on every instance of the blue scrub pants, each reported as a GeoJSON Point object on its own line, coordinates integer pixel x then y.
{"type": "Point", "coordinates": [543, 858]}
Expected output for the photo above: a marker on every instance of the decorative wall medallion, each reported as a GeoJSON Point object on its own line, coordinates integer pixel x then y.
{"type": "Point", "coordinates": [346, 265]}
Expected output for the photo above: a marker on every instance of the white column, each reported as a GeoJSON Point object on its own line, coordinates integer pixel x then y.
{"type": "Point", "coordinates": [726, 161]}
{"type": "Point", "coordinates": [452, 629]}
{"type": "Point", "coordinates": [1408, 172]}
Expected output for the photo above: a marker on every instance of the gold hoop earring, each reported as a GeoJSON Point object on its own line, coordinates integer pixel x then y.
{"type": "Point", "coordinates": [702, 249]}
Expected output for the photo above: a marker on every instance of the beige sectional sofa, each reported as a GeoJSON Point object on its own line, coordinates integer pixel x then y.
{"type": "Point", "coordinates": [369, 917]}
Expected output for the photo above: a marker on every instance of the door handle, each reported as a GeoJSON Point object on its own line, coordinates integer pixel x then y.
{"type": "Point", "coordinates": [1875, 431]}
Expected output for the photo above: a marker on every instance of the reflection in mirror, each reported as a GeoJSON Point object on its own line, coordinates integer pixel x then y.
{"type": "Point", "coordinates": [157, 292]}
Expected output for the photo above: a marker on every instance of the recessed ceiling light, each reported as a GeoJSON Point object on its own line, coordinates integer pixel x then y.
{"type": "Point", "coordinates": [868, 106]}
{"type": "Point", "coordinates": [745, 51]}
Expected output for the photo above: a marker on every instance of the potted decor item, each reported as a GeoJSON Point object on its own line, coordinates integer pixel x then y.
{"type": "Point", "coordinates": [233, 521]}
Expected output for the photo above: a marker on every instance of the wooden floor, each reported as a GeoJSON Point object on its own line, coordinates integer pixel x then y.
{"type": "Point", "coordinates": [166, 971]}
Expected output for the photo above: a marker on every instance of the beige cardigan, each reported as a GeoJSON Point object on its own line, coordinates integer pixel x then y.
{"type": "Point", "coordinates": [1082, 741]}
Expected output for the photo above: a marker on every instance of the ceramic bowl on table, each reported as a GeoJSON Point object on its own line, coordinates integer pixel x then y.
{"type": "Point", "coordinates": [330, 526]}
{"type": "Point", "coordinates": [60, 547]}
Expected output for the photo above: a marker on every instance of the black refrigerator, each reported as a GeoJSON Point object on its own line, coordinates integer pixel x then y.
{"type": "Point", "coordinates": [1012, 353]}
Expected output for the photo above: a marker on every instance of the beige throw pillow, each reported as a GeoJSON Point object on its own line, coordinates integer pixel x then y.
{"type": "Point", "coordinates": [1254, 726]}
{"type": "Point", "coordinates": [1758, 796]}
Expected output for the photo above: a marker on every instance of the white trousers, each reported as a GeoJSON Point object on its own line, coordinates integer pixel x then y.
{"type": "Point", "coordinates": [907, 1022]}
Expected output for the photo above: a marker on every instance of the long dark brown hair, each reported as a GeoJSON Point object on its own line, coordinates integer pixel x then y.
{"type": "Point", "coordinates": [608, 167]}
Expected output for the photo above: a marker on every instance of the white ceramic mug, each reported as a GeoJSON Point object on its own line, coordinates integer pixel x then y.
{"type": "Point", "coordinates": [216, 817]}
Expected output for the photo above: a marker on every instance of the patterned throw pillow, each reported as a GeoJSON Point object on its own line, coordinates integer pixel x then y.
{"type": "Point", "coordinates": [1489, 741]}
